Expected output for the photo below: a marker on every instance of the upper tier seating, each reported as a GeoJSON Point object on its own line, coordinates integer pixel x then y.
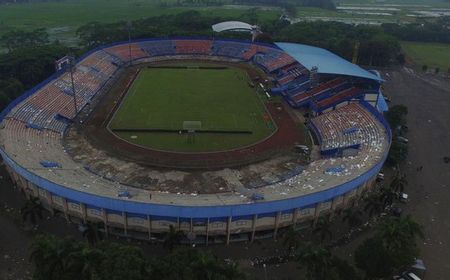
{"type": "Point", "coordinates": [300, 96]}
{"type": "Point", "coordinates": [338, 98]}
{"type": "Point", "coordinates": [193, 46]}
{"type": "Point", "coordinates": [274, 59]}
{"type": "Point", "coordinates": [156, 48]}
{"type": "Point", "coordinates": [348, 126]}
{"type": "Point", "coordinates": [123, 52]}
{"type": "Point", "coordinates": [230, 49]}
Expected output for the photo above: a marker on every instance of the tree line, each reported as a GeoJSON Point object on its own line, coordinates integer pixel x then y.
{"type": "Point", "coordinates": [423, 31]}
{"type": "Point", "coordinates": [67, 259]}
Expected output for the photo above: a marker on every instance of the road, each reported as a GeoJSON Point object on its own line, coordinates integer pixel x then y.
{"type": "Point", "coordinates": [428, 102]}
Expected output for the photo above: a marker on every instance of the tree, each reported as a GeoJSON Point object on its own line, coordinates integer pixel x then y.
{"type": "Point", "coordinates": [399, 183]}
{"type": "Point", "coordinates": [91, 233]}
{"type": "Point", "coordinates": [321, 264]}
{"type": "Point", "coordinates": [67, 259]}
{"type": "Point", "coordinates": [398, 153]}
{"type": "Point", "coordinates": [51, 257]}
{"type": "Point", "coordinates": [394, 246]}
{"type": "Point", "coordinates": [32, 211]}
{"type": "Point", "coordinates": [323, 229]}
{"type": "Point", "coordinates": [398, 233]}
{"type": "Point", "coordinates": [396, 116]}
{"type": "Point", "coordinates": [30, 65]}
{"type": "Point", "coordinates": [173, 238]}
{"type": "Point", "coordinates": [87, 262]}
{"type": "Point", "coordinates": [353, 217]}
{"type": "Point", "coordinates": [18, 38]}
{"type": "Point", "coordinates": [372, 258]}
{"type": "Point", "coordinates": [122, 262]}
{"type": "Point", "coordinates": [387, 196]}
{"type": "Point", "coordinates": [187, 263]}
{"type": "Point", "coordinates": [292, 238]}
{"type": "Point", "coordinates": [373, 205]}
{"type": "Point", "coordinates": [316, 260]}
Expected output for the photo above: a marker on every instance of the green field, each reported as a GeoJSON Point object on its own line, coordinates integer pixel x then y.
{"type": "Point", "coordinates": [431, 54]}
{"type": "Point", "coordinates": [165, 98]}
{"type": "Point", "coordinates": [62, 18]}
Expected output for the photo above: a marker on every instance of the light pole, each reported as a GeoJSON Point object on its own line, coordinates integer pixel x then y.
{"type": "Point", "coordinates": [129, 25]}
{"type": "Point", "coordinates": [265, 271]}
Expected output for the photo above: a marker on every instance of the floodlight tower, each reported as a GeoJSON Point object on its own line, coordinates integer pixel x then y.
{"type": "Point", "coordinates": [256, 30]}
{"type": "Point", "coordinates": [64, 64]}
{"type": "Point", "coordinates": [129, 25]}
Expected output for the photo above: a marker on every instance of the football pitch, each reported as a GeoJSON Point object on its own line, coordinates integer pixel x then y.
{"type": "Point", "coordinates": [161, 100]}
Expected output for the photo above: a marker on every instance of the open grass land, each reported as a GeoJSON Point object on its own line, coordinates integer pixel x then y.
{"type": "Point", "coordinates": [221, 99]}
{"type": "Point", "coordinates": [431, 54]}
{"type": "Point", "coordinates": [62, 18]}
{"type": "Point", "coordinates": [375, 12]}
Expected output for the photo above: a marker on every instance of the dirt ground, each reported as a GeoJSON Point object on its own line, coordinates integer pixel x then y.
{"type": "Point", "coordinates": [428, 101]}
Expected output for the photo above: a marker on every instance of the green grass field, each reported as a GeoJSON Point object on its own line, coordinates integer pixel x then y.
{"type": "Point", "coordinates": [62, 18]}
{"type": "Point", "coordinates": [431, 54]}
{"type": "Point", "coordinates": [165, 98]}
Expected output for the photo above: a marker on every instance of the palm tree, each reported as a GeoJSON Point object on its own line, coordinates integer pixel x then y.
{"type": "Point", "coordinates": [316, 260]}
{"type": "Point", "coordinates": [51, 257]}
{"type": "Point", "coordinates": [173, 238]}
{"type": "Point", "coordinates": [399, 183]}
{"type": "Point", "coordinates": [353, 217]}
{"type": "Point", "coordinates": [373, 205]}
{"type": "Point", "coordinates": [205, 266]}
{"type": "Point", "coordinates": [87, 262]}
{"type": "Point", "coordinates": [322, 228]}
{"type": "Point", "coordinates": [32, 211]}
{"type": "Point", "coordinates": [398, 232]}
{"type": "Point", "coordinates": [387, 196]}
{"type": "Point", "coordinates": [292, 238]}
{"type": "Point", "coordinates": [91, 233]}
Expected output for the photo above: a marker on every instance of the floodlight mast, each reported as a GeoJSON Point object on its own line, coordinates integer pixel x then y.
{"type": "Point", "coordinates": [256, 30]}
{"type": "Point", "coordinates": [129, 25]}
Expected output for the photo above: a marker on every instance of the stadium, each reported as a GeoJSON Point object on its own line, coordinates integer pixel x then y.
{"type": "Point", "coordinates": [226, 140]}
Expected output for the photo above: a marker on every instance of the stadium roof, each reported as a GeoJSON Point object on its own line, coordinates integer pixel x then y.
{"type": "Point", "coordinates": [326, 62]}
{"type": "Point", "coordinates": [232, 25]}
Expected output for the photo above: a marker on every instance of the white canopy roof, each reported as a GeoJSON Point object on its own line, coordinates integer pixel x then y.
{"type": "Point", "coordinates": [232, 25]}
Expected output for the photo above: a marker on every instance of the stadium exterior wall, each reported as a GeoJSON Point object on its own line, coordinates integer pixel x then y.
{"type": "Point", "coordinates": [115, 213]}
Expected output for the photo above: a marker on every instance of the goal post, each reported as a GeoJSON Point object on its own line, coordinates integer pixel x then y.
{"type": "Point", "coordinates": [191, 127]}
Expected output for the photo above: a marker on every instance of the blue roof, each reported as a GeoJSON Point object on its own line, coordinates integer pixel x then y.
{"type": "Point", "coordinates": [326, 61]}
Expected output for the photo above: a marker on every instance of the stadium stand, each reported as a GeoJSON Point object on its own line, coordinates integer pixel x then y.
{"type": "Point", "coordinates": [346, 127]}
{"type": "Point", "coordinates": [230, 49]}
{"type": "Point", "coordinates": [33, 150]}
{"type": "Point", "coordinates": [337, 98]}
{"type": "Point", "coordinates": [252, 50]}
{"type": "Point", "coordinates": [273, 60]}
{"type": "Point", "coordinates": [193, 46]}
{"type": "Point", "coordinates": [123, 52]}
{"type": "Point", "coordinates": [159, 47]}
